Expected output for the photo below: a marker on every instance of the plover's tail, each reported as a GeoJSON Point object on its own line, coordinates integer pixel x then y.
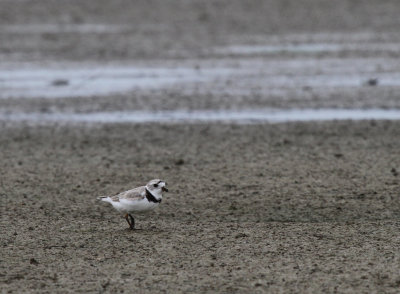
{"type": "Point", "coordinates": [104, 198]}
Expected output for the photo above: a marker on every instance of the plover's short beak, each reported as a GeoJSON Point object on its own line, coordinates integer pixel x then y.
{"type": "Point", "coordinates": [164, 189]}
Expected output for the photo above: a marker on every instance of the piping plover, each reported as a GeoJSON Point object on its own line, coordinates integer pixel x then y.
{"type": "Point", "coordinates": [137, 200]}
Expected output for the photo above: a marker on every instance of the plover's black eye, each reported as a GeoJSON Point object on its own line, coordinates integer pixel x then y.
{"type": "Point", "coordinates": [155, 185]}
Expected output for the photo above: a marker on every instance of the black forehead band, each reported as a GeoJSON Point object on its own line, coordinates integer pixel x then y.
{"type": "Point", "coordinates": [159, 182]}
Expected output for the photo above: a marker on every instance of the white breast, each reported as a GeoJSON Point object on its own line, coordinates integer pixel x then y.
{"type": "Point", "coordinates": [126, 205]}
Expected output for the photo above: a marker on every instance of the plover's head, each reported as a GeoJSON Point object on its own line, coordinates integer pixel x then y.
{"type": "Point", "coordinates": [157, 186]}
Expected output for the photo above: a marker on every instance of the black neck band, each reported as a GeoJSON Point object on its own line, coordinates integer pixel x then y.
{"type": "Point", "coordinates": [150, 197]}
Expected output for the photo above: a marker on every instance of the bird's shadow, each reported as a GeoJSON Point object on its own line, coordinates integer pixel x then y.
{"type": "Point", "coordinates": [143, 231]}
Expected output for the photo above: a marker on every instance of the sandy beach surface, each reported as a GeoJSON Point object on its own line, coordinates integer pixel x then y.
{"type": "Point", "coordinates": [266, 208]}
{"type": "Point", "coordinates": [299, 207]}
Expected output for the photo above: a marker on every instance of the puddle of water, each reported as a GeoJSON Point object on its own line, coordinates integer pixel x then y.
{"type": "Point", "coordinates": [307, 48]}
{"type": "Point", "coordinates": [45, 82]}
{"type": "Point", "coordinates": [62, 28]}
{"type": "Point", "coordinates": [324, 38]}
{"type": "Point", "coordinates": [207, 116]}
{"type": "Point", "coordinates": [61, 81]}
{"type": "Point", "coordinates": [260, 49]}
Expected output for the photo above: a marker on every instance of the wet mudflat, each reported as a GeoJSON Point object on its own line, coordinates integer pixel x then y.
{"type": "Point", "coordinates": [286, 207]}
{"type": "Point", "coordinates": [296, 207]}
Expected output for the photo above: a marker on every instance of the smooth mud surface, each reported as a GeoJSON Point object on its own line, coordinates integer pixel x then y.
{"type": "Point", "coordinates": [264, 208]}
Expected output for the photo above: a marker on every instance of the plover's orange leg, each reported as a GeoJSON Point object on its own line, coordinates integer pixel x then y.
{"type": "Point", "coordinates": [127, 219]}
{"type": "Point", "coordinates": [132, 224]}
{"type": "Point", "coordinates": [131, 221]}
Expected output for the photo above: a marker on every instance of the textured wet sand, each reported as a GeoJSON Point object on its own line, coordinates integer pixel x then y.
{"type": "Point", "coordinates": [288, 207]}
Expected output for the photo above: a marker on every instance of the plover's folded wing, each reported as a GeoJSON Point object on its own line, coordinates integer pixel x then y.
{"type": "Point", "coordinates": [134, 194]}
